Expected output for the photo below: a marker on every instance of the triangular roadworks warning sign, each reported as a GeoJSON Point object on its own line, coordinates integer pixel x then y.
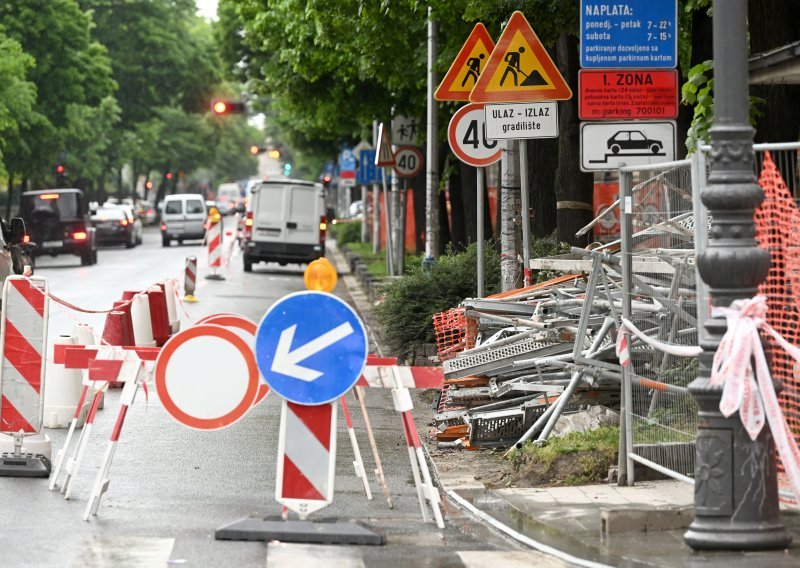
{"type": "Point", "coordinates": [384, 157]}
{"type": "Point", "coordinates": [466, 67]}
{"type": "Point", "coordinates": [519, 69]}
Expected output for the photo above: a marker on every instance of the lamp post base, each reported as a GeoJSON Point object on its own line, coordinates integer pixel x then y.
{"type": "Point", "coordinates": [707, 534]}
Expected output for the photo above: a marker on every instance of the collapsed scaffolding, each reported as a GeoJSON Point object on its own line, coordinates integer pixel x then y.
{"type": "Point", "coordinates": [515, 362]}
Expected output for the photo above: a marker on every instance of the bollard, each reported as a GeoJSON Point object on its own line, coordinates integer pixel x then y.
{"type": "Point", "coordinates": [189, 279]}
{"type": "Point", "coordinates": [215, 251]}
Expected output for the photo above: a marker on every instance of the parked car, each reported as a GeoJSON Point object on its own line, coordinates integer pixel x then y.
{"type": "Point", "coordinates": [633, 140]}
{"type": "Point", "coordinates": [114, 226]}
{"type": "Point", "coordinates": [146, 211]}
{"type": "Point", "coordinates": [285, 222]}
{"type": "Point", "coordinates": [229, 198]}
{"type": "Point", "coordinates": [183, 217]}
{"type": "Point", "coordinates": [57, 221]}
{"type": "Point", "coordinates": [135, 221]}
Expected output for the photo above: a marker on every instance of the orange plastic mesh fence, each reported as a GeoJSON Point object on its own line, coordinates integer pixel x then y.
{"type": "Point", "coordinates": [778, 231]}
{"type": "Point", "coordinates": [455, 332]}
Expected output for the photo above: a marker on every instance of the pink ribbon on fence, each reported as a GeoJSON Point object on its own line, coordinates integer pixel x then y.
{"type": "Point", "coordinates": [750, 391]}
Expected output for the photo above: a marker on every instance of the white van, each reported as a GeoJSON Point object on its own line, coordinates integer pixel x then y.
{"type": "Point", "coordinates": [183, 216]}
{"type": "Point", "coordinates": [285, 223]}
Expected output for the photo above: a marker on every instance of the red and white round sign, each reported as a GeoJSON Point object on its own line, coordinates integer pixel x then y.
{"type": "Point", "coordinates": [246, 329]}
{"type": "Point", "coordinates": [408, 161]}
{"type": "Point", "coordinates": [206, 377]}
{"type": "Point", "coordinates": [467, 137]}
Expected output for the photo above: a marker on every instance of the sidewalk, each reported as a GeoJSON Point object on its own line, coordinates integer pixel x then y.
{"type": "Point", "coordinates": [594, 525]}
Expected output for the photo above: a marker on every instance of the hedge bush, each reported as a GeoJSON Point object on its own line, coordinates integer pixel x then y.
{"type": "Point", "coordinates": [406, 314]}
{"type": "Point", "coordinates": [348, 232]}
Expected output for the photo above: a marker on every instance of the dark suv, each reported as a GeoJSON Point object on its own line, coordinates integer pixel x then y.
{"type": "Point", "coordinates": [57, 221]}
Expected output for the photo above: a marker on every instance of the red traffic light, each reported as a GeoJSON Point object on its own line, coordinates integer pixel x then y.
{"type": "Point", "coordinates": [60, 169]}
{"type": "Point", "coordinates": [169, 175]}
{"type": "Point", "coordinates": [221, 106]}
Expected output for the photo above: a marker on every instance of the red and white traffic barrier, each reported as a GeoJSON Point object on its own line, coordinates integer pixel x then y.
{"type": "Point", "coordinates": [190, 279]}
{"type": "Point", "coordinates": [306, 457]}
{"type": "Point", "coordinates": [426, 491]}
{"type": "Point", "coordinates": [358, 463]}
{"type": "Point", "coordinates": [23, 335]}
{"type": "Point", "coordinates": [103, 479]}
{"type": "Point", "coordinates": [215, 251]}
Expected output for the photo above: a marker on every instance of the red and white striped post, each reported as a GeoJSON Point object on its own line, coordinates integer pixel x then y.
{"type": "Point", "coordinates": [129, 390]}
{"type": "Point", "coordinates": [358, 463]}
{"type": "Point", "coordinates": [402, 403]}
{"type": "Point", "coordinates": [190, 279]}
{"type": "Point", "coordinates": [215, 251]}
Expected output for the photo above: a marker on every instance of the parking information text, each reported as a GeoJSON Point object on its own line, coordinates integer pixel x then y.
{"type": "Point", "coordinates": [629, 34]}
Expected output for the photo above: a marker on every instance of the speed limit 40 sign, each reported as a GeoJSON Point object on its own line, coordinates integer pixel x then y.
{"type": "Point", "coordinates": [408, 161]}
{"type": "Point", "coordinates": [467, 137]}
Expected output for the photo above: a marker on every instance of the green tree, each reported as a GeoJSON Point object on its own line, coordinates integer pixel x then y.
{"type": "Point", "coordinates": [17, 95]}
{"type": "Point", "coordinates": [69, 69]}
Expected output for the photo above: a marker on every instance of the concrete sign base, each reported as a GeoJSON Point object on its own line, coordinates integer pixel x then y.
{"type": "Point", "coordinates": [319, 532]}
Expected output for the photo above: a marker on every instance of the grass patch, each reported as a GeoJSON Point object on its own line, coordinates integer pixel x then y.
{"type": "Point", "coordinates": [575, 459]}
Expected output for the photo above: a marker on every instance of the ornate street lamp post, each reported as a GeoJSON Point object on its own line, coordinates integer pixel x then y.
{"type": "Point", "coordinates": [736, 490]}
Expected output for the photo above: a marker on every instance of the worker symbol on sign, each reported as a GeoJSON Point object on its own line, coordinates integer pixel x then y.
{"type": "Point", "coordinates": [473, 69]}
{"type": "Point", "coordinates": [512, 60]}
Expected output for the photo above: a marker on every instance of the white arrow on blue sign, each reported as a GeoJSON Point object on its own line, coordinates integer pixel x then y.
{"type": "Point", "coordinates": [311, 347]}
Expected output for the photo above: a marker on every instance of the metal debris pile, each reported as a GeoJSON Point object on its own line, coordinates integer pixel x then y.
{"type": "Point", "coordinates": [515, 362]}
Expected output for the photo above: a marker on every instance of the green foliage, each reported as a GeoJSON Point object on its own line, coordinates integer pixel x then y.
{"type": "Point", "coordinates": [347, 232]}
{"type": "Point", "coordinates": [543, 247]}
{"type": "Point", "coordinates": [411, 301]}
{"type": "Point", "coordinates": [698, 90]}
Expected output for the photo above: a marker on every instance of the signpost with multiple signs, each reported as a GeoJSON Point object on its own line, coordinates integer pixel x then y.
{"type": "Point", "coordinates": [631, 47]}
{"type": "Point", "coordinates": [629, 34]}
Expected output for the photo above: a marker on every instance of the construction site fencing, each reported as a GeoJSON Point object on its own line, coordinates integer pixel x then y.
{"type": "Point", "coordinates": [657, 247]}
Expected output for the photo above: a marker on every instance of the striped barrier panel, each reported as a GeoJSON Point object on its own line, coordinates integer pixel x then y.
{"type": "Point", "coordinates": [215, 245]}
{"type": "Point", "coordinates": [23, 337]}
{"type": "Point", "coordinates": [306, 457]}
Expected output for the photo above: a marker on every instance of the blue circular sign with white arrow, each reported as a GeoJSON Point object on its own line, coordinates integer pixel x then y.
{"type": "Point", "coordinates": [311, 347]}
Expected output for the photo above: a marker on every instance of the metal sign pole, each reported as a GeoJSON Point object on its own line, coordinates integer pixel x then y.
{"type": "Point", "coordinates": [376, 218]}
{"type": "Point", "coordinates": [388, 230]}
{"type": "Point", "coordinates": [480, 237]}
{"type": "Point", "coordinates": [525, 213]}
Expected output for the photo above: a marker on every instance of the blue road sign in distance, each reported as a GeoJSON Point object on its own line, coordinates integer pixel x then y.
{"type": "Point", "coordinates": [368, 173]}
{"type": "Point", "coordinates": [629, 33]}
{"type": "Point", "coordinates": [311, 347]}
{"type": "Point", "coordinates": [367, 170]}
{"type": "Point", "coordinates": [347, 160]}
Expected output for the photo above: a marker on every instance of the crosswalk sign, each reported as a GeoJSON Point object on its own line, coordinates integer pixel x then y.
{"type": "Point", "coordinates": [466, 67]}
{"type": "Point", "coordinates": [519, 69]}
{"type": "Point", "coordinates": [384, 157]}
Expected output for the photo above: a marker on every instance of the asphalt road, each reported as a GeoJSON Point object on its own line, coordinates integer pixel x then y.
{"type": "Point", "coordinates": [171, 486]}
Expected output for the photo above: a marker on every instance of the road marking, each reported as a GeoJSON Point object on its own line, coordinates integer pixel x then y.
{"type": "Point", "coordinates": [285, 555]}
{"type": "Point", "coordinates": [510, 559]}
{"type": "Point", "coordinates": [124, 552]}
